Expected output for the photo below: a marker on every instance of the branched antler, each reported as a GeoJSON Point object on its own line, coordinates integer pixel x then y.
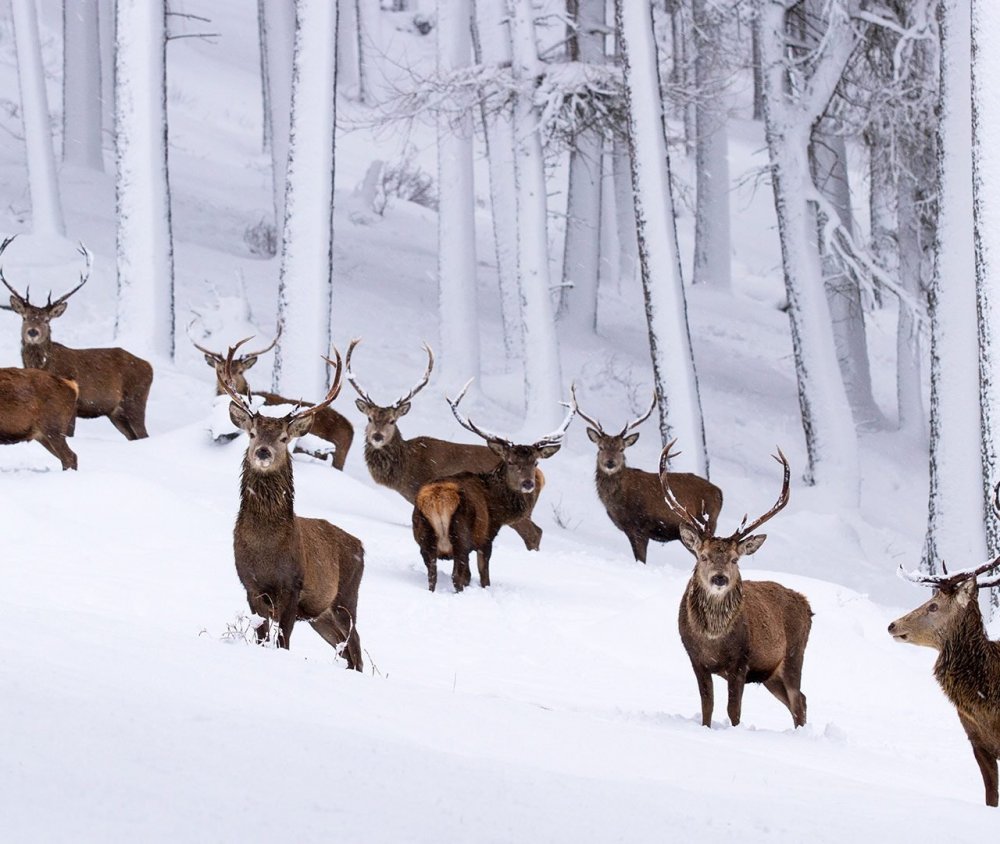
{"type": "Point", "coordinates": [401, 401]}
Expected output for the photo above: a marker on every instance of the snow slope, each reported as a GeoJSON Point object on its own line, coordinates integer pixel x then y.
{"type": "Point", "coordinates": [556, 706]}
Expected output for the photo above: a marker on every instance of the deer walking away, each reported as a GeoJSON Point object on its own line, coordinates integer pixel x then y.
{"type": "Point", "coordinates": [41, 407]}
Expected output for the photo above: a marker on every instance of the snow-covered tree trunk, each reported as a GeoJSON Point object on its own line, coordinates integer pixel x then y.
{"type": "Point", "coordinates": [43, 183]}
{"type": "Point", "coordinates": [348, 56]}
{"type": "Point", "coordinates": [831, 439]}
{"type": "Point", "coordinates": [682, 66]}
{"type": "Point", "coordinates": [266, 130]}
{"type": "Point", "coordinates": [106, 25]}
{"type": "Point", "coordinates": [882, 200]}
{"type": "Point", "coordinates": [828, 157]}
{"type": "Point", "coordinates": [278, 41]}
{"type": "Point", "coordinates": [712, 248]}
{"type": "Point", "coordinates": [144, 248]}
{"type": "Point", "coordinates": [758, 76]}
{"type": "Point", "coordinates": [986, 184]}
{"type": "Point", "coordinates": [82, 109]}
{"type": "Point", "coordinates": [666, 308]}
{"type": "Point", "coordinates": [492, 45]}
{"type": "Point", "coordinates": [542, 377]}
{"type": "Point", "coordinates": [582, 246]}
{"type": "Point", "coordinates": [955, 528]}
{"type": "Point", "coordinates": [911, 250]}
{"type": "Point", "coordinates": [305, 287]}
{"type": "Point", "coordinates": [456, 207]}
{"type": "Point", "coordinates": [628, 243]}
{"type": "Point", "coordinates": [369, 17]}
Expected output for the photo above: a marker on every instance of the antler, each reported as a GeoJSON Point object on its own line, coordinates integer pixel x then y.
{"type": "Point", "coordinates": [947, 580]}
{"type": "Point", "coordinates": [84, 276]}
{"type": "Point", "coordinates": [219, 357]}
{"type": "Point", "coordinates": [744, 530]}
{"type": "Point", "coordinates": [637, 422]}
{"type": "Point", "coordinates": [3, 248]}
{"type": "Point", "coordinates": [350, 374]}
{"type": "Point", "coordinates": [467, 423]}
{"type": "Point", "coordinates": [226, 378]}
{"type": "Point", "coordinates": [593, 422]}
{"type": "Point", "coordinates": [701, 525]}
{"type": "Point", "coordinates": [331, 394]}
{"type": "Point", "coordinates": [423, 381]}
{"type": "Point", "coordinates": [556, 436]}
{"type": "Point", "coordinates": [416, 389]}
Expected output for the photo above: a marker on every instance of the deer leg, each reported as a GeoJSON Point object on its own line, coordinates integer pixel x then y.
{"type": "Point", "coordinates": [336, 626]}
{"type": "Point", "coordinates": [343, 444]}
{"type": "Point", "coordinates": [706, 692]}
{"type": "Point", "coordinates": [134, 409]}
{"type": "Point", "coordinates": [120, 420]}
{"type": "Point", "coordinates": [56, 445]}
{"type": "Point", "coordinates": [262, 631]}
{"type": "Point", "coordinates": [639, 545]}
{"type": "Point", "coordinates": [287, 618]}
{"type": "Point", "coordinates": [791, 676]}
{"type": "Point", "coordinates": [529, 532]}
{"type": "Point", "coordinates": [483, 560]}
{"type": "Point", "coordinates": [737, 680]}
{"type": "Point", "coordinates": [988, 768]}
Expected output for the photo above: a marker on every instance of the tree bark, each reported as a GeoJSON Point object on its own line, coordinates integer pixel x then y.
{"type": "Point", "coordinates": [279, 41]}
{"type": "Point", "coordinates": [305, 287]}
{"type": "Point", "coordinates": [82, 111]}
{"type": "Point", "coordinates": [666, 308]}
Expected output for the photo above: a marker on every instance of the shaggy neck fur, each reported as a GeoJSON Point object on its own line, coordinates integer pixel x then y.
{"type": "Point", "coordinates": [713, 613]}
{"type": "Point", "coordinates": [608, 485]}
{"type": "Point", "coordinates": [386, 463]}
{"type": "Point", "coordinates": [968, 667]}
{"type": "Point", "coordinates": [266, 497]}
{"type": "Point", "coordinates": [35, 356]}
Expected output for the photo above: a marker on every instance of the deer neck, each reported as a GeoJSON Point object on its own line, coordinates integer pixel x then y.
{"type": "Point", "coordinates": [36, 355]}
{"type": "Point", "coordinates": [608, 485]}
{"type": "Point", "coordinates": [508, 504]}
{"type": "Point", "coordinates": [267, 498]}
{"type": "Point", "coordinates": [714, 614]}
{"type": "Point", "coordinates": [966, 661]}
{"type": "Point", "coordinates": [387, 464]}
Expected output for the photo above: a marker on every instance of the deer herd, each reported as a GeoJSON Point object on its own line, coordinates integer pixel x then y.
{"type": "Point", "coordinates": [293, 567]}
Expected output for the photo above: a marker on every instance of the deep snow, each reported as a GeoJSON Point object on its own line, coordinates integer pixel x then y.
{"type": "Point", "coordinates": [556, 706]}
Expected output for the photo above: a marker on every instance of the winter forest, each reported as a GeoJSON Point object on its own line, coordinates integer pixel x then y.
{"type": "Point", "coordinates": [314, 313]}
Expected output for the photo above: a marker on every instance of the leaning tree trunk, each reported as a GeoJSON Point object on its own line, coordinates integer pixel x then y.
{"type": "Point", "coordinates": [305, 287]}
{"type": "Point", "coordinates": [542, 379]}
{"type": "Point", "coordinates": [986, 184]}
{"type": "Point", "coordinates": [82, 113]}
{"type": "Point", "coordinates": [955, 527]}
{"type": "Point", "coordinates": [831, 440]}
{"type": "Point", "coordinates": [582, 246]}
{"type": "Point", "coordinates": [492, 45]}
{"type": "Point", "coordinates": [712, 246]}
{"type": "Point", "coordinates": [456, 206]}
{"type": "Point", "coordinates": [666, 309]}
{"type": "Point", "coordinates": [43, 183]}
{"type": "Point", "coordinates": [142, 189]}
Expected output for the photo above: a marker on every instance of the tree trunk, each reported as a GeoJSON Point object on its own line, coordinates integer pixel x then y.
{"type": "Point", "coordinates": [955, 527]}
{"type": "Point", "coordinates": [82, 112]}
{"type": "Point", "coordinates": [492, 43]}
{"type": "Point", "coordinates": [106, 24]}
{"type": "Point", "coordinates": [986, 166]}
{"type": "Point", "coordinates": [831, 440]}
{"type": "Point", "coordinates": [145, 258]}
{"type": "Point", "coordinates": [758, 75]}
{"type": "Point", "coordinates": [348, 47]}
{"type": "Point", "coordinates": [628, 244]}
{"type": "Point", "coordinates": [305, 287]}
{"type": "Point", "coordinates": [828, 161]}
{"type": "Point", "coordinates": [582, 255]}
{"type": "Point", "coordinates": [712, 247]}
{"type": "Point", "coordinates": [369, 47]}
{"type": "Point", "coordinates": [266, 129]}
{"type": "Point", "coordinates": [911, 249]}
{"type": "Point", "coordinates": [542, 378]}
{"type": "Point", "coordinates": [278, 40]}
{"type": "Point", "coordinates": [46, 208]}
{"type": "Point", "coordinates": [456, 207]}
{"type": "Point", "coordinates": [666, 309]}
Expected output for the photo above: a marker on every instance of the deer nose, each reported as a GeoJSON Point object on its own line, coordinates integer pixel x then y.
{"type": "Point", "coordinates": [263, 453]}
{"type": "Point", "coordinates": [527, 486]}
{"type": "Point", "coordinates": [892, 627]}
{"type": "Point", "coordinates": [32, 332]}
{"type": "Point", "coordinates": [609, 464]}
{"type": "Point", "coordinates": [377, 438]}
{"type": "Point", "coordinates": [719, 580]}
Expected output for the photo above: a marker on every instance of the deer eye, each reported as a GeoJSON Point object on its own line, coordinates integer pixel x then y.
{"type": "Point", "coordinates": [283, 438]}
{"type": "Point", "coordinates": [932, 607]}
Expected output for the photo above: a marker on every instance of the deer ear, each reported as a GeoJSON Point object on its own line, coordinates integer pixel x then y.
{"type": "Point", "coordinates": [548, 450]}
{"type": "Point", "coordinates": [594, 436]}
{"type": "Point", "coordinates": [250, 361]}
{"type": "Point", "coordinates": [300, 426]}
{"type": "Point", "coordinates": [363, 406]}
{"type": "Point", "coordinates": [403, 409]}
{"type": "Point", "coordinates": [239, 416]}
{"type": "Point", "coordinates": [966, 591]}
{"type": "Point", "coordinates": [57, 310]}
{"type": "Point", "coordinates": [751, 544]}
{"type": "Point", "coordinates": [690, 539]}
{"type": "Point", "coordinates": [631, 440]}
{"type": "Point", "coordinates": [496, 447]}
{"type": "Point", "coordinates": [16, 306]}
{"type": "Point", "coordinates": [210, 360]}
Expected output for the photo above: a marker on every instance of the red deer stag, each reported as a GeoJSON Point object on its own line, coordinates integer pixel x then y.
{"type": "Point", "coordinates": [38, 406]}
{"type": "Point", "coordinates": [462, 513]}
{"type": "Point", "coordinates": [112, 382]}
{"type": "Point", "coordinates": [633, 498]}
{"type": "Point", "coordinates": [968, 663]}
{"type": "Point", "coordinates": [746, 632]}
{"type": "Point", "coordinates": [406, 465]}
{"type": "Point", "coordinates": [327, 423]}
{"type": "Point", "coordinates": [290, 566]}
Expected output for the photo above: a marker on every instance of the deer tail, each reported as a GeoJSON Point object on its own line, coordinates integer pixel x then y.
{"type": "Point", "coordinates": [438, 503]}
{"type": "Point", "coordinates": [72, 384]}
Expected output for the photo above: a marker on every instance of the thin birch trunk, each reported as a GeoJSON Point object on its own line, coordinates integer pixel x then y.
{"type": "Point", "coordinates": [82, 114]}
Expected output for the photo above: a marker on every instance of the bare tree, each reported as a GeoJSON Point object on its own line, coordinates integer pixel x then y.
{"type": "Point", "coordinates": [82, 111]}
{"type": "Point", "coordinates": [277, 44]}
{"type": "Point", "coordinates": [144, 249]}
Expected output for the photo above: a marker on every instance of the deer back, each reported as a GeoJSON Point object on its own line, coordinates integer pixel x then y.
{"type": "Point", "coordinates": [104, 375]}
{"type": "Point", "coordinates": [635, 497]}
{"type": "Point", "coordinates": [329, 556]}
{"type": "Point", "coordinates": [33, 402]}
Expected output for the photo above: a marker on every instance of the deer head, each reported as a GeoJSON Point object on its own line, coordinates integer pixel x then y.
{"type": "Point", "coordinates": [36, 319]}
{"type": "Point", "coordinates": [717, 558]}
{"type": "Point", "coordinates": [267, 450]}
{"type": "Point", "coordinates": [611, 447]}
{"type": "Point", "coordinates": [381, 427]}
{"type": "Point", "coordinates": [520, 461]}
{"type": "Point", "coordinates": [930, 623]}
{"type": "Point", "coordinates": [239, 365]}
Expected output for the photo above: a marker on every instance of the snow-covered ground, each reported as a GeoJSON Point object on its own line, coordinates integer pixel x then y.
{"type": "Point", "coordinates": [558, 705]}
